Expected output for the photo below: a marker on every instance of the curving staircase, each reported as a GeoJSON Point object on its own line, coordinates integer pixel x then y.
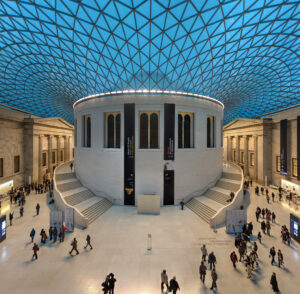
{"type": "Point", "coordinates": [207, 205]}
{"type": "Point", "coordinates": [79, 197]}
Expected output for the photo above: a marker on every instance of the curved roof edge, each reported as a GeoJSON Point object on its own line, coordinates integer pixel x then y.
{"type": "Point", "coordinates": [152, 92]}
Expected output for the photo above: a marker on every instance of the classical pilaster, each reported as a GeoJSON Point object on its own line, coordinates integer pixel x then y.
{"type": "Point", "coordinates": [238, 149]}
{"type": "Point", "coordinates": [58, 149]}
{"type": "Point", "coordinates": [50, 138]}
{"type": "Point", "coordinates": [255, 157]}
{"type": "Point", "coordinates": [67, 148]}
{"type": "Point", "coordinates": [40, 176]}
{"type": "Point", "coordinates": [229, 148]}
{"type": "Point", "coordinates": [246, 156]}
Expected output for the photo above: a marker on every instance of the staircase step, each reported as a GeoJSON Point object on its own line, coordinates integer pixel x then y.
{"type": "Point", "coordinates": [69, 186]}
{"type": "Point", "coordinates": [232, 176]}
{"type": "Point", "coordinates": [202, 210]}
{"type": "Point", "coordinates": [217, 196]}
{"type": "Point", "coordinates": [227, 185]}
{"type": "Point", "coordinates": [97, 209]}
{"type": "Point", "coordinates": [79, 197]}
{"type": "Point", "coordinates": [65, 176]}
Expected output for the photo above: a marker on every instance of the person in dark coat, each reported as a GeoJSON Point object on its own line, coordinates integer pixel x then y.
{"type": "Point", "coordinates": [50, 233]}
{"type": "Point", "coordinates": [71, 166]}
{"type": "Point", "coordinates": [112, 282]}
{"type": "Point", "coordinates": [21, 211]}
{"type": "Point", "coordinates": [202, 271]}
{"type": "Point", "coordinates": [88, 242]}
{"type": "Point", "coordinates": [105, 285]}
{"type": "Point", "coordinates": [214, 278]}
{"type": "Point", "coordinates": [37, 209]}
{"type": "Point", "coordinates": [174, 285]}
{"type": "Point", "coordinates": [74, 246]}
{"type": "Point", "coordinates": [211, 260]}
{"type": "Point", "coordinates": [181, 204]}
{"type": "Point", "coordinates": [233, 258]}
{"type": "Point", "coordinates": [272, 254]}
{"type": "Point", "coordinates": [35, 249]}
{"type": "Point", "coordinates": [274, 283]}
{"type": "Point", "coordinates": [32, 234]}
{"type": "Point", "coordinates": [11, 217]}
{"type": "Point", "coordinates": [55, 233]}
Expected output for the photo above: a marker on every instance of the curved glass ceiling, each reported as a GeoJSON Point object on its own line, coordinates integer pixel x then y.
{"type": "Point", "coordinates": [244, 53]}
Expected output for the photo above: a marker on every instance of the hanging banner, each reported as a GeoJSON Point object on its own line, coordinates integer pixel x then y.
{"type": "Point", "coordinates": [69, 219]}
{"type": "Point", "coordinates": [283, 147]}
{"type": "Point", "coordinates": [56, 219]}
{"type": "Point", "coordinates": [235, 220]}
{"type": "Point", "coordinates": [2, 228]}
{"type": "Point", "coordinates": [169, 131]}
{"type": "Point", "coordinates": [129, 154]}
{"type": "Point", "coordinates": [298, 148]}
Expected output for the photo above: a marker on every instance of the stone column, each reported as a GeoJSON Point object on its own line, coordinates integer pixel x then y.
{"type": "Point", "coordinates": [50, 138]}
{"type": "Point", "coordinates": [58, 148]}
{"type": "Point", "coordinates": [40, 176]}
{"type": "Point", "coordinates": [67, 148]}
{"type": "Point", "coordinates": [255, 158]}
{"type": "Point", "coordinates": [237, 149]}
{"type": "Point", "coordinates": [246, 165]}
{"type": "Point", "coordinates": [229, 148]}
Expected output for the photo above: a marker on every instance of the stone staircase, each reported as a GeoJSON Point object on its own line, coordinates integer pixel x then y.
{"type": "Point", "coordinates": [79, 197]}
{"type": "Point", "coordinates": [208, 204]}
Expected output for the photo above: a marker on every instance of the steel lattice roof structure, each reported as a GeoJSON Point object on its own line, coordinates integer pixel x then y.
{"type": "Point", "coordinates": [244, 53]}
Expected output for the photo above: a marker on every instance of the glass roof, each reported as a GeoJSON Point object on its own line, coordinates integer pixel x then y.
{"type": "Point", "coordinates": [243, 52]}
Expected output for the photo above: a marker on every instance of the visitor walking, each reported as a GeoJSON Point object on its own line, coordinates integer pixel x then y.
{"type": "Point", "coordinates": [32, 234]}
{"type": "Point", "coordinates": [164, 280]}
{"type": "Point", "coordinates": [105, 285]}
{"type": "Point", "coordinates": [37, 209]}
{"type": "Point", "coordinates": [50, 233]}
{"type": "Point", "coordinates": [259, 237]}
{"type": "Point", "coordinates": [233, 259]}
{"type": "Point", "coordinates": [63, 232]}
{"type": "Point", "coordinates": [11, 217]}
{"type": "Point", "coordinates": [280, 257]}
{"type": "Point", "coordinates": [212, 260]}
{"type": "Point", "coordinates": [111, 283]}
{"type": "Point", "coordinates": [181, 204]}
{"type": "Point", "coordinates": [55, 233]}
{"type": "Point", "coordinates": [174, 285]}
{"type": "Point", "coordinates": [268, 227]}
{"type": "Point", "coordinates": [35, 249]}
{"type": "Point", "coordinates": [272, 255]}
{"type": "Point", "coordinates": [21, 211]}
{"type": "Point", "coordinates": [214, 278]}
{"type": "Point", "coordinates": [88, 242]}
{"type": "Point", "coordinates": [274, 283]}
{"type": "Point", "coordinates": [273, 217]}
{"type": "Point", "coordinates": [71, 166]}
{"type": "Point", "coordinates": [204, 252]}
{"type": "Point", "coordinates": [202, 271]}
{"type": "Point", "coordinates": [74, 246]}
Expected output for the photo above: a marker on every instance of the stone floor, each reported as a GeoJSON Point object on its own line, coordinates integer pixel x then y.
{"type": "Point", "coordinates": [119, 238]}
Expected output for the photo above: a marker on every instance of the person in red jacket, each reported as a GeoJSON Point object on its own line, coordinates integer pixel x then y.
{"type": "Point", "coordinates": [35, 249]}
{"type": "Point", "coordinates": [233, 258]}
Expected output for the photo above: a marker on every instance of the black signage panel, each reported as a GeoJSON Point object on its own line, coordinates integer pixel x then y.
{"type": "Point", "coordinates": [129, 154]}
{"type": "Point", "coordinates": [168, 187]}
{"type": "Point", "coordinates": [169, 132]}
{"type": "Point", "coordinates": [298, 147]}
{"type": "Point", "coordinates": [2, 228]}
{"type": "Point", "coordinates": [283, 146]}
{"type": "Point", "coordinates": [294, 227]}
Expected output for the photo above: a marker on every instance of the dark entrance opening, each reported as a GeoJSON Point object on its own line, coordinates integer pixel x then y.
{"type": "Point", "coordinates": [168, 187]}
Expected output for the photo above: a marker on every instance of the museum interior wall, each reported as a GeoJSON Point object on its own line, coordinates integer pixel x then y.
{"type": "Point", "coordinates": [31, 147]}
{"type": "Point", "coordinates": [267, 149]}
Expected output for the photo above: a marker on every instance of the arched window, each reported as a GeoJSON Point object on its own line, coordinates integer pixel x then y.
{"type": "Point", "coordinates": [210, 131]}
{"type": "Point", "coordinates": [86, 131]}
{"type": "Point", "coordinates": [112, 130]}
{"type": "Point", "coordinates": [118, 130]}
{"type": "Point", "coordinates": [144, 130]}
{"type": "Point", "coordinates": [185, 130]}
{"type": "Point", "coordinates": [180, 133]}
{"type": "Point", "coordinates": [153, 130]}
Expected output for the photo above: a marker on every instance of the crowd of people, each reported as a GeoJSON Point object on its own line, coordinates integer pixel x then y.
{"type": "Point", "coordinates": [246, 243]}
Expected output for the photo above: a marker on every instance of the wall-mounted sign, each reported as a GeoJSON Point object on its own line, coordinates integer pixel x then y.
{"type": "Point", "coordinates": [2, 228]}
{"type": "Point", "coordinates": [294, 227]}
{"type": "Point", "coordinates": [169, 131]}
